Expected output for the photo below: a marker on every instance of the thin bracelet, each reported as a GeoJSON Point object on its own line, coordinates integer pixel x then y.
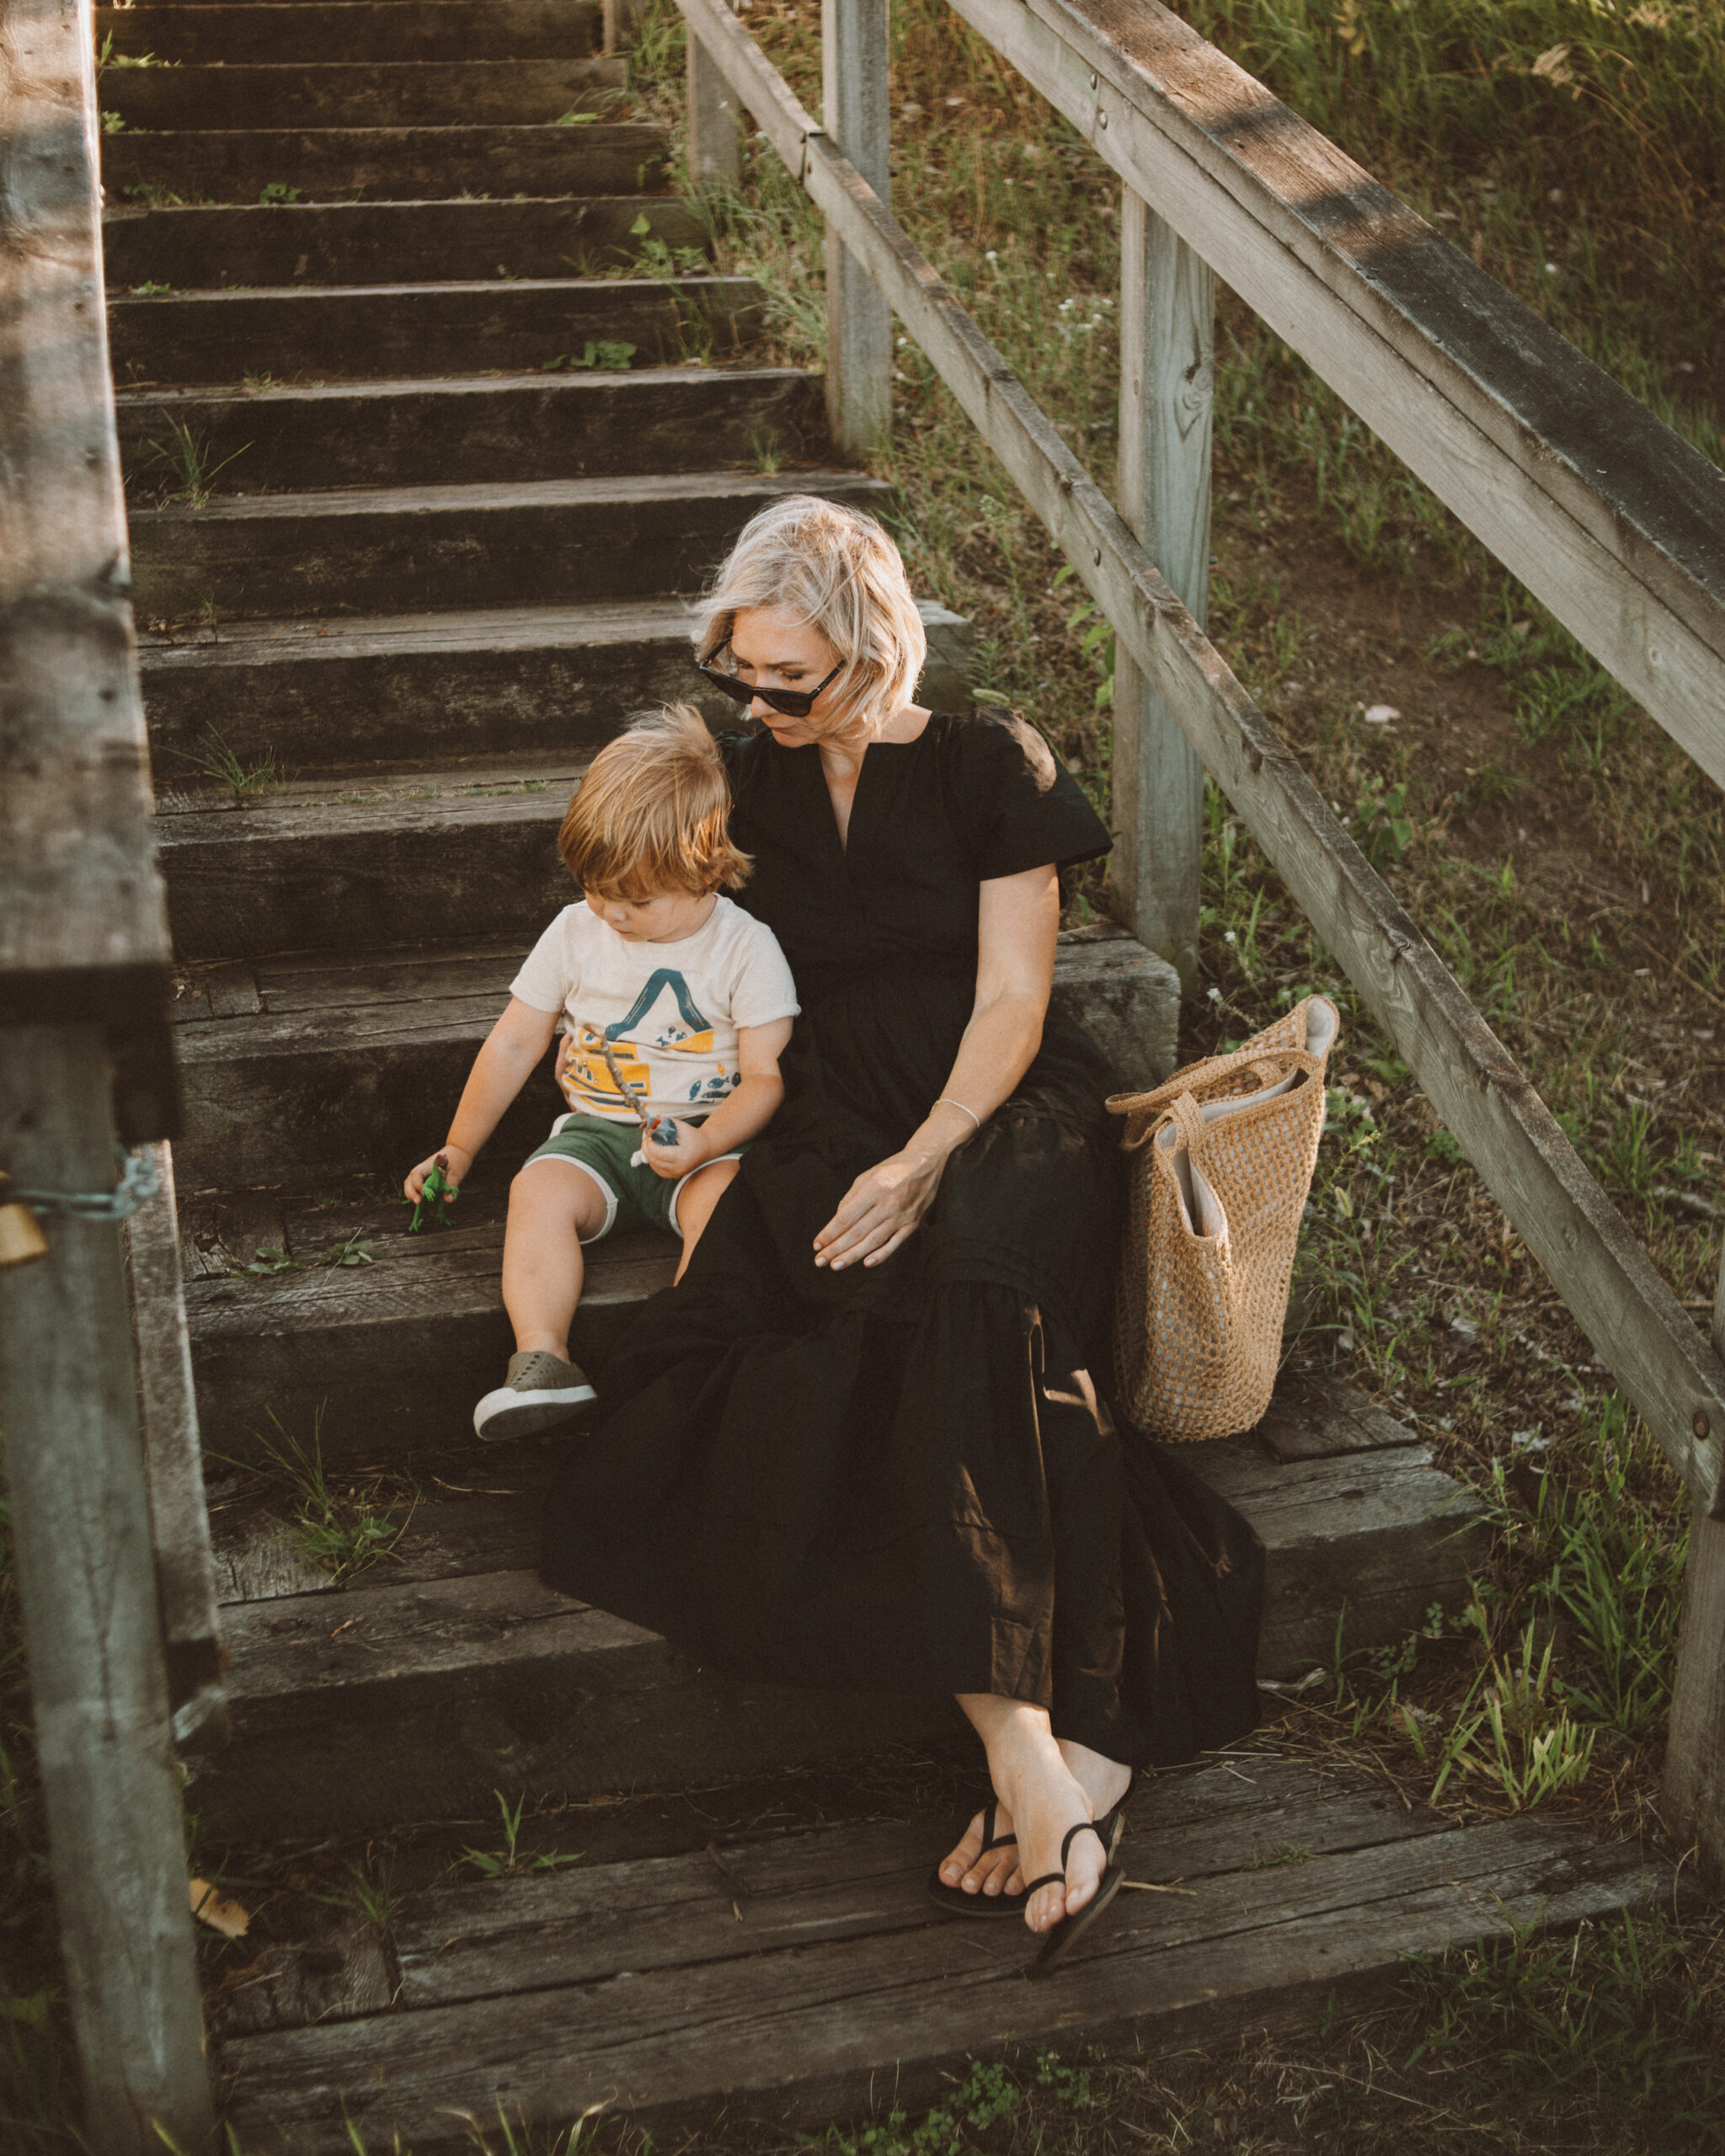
{"type": "Point", "coordinates": [946, 1101]}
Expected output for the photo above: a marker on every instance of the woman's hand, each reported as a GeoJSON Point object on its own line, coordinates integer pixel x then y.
{"type": "Point", "coordinates": [881, 1208]}
{"type": "Point", "coordinates": [454, 1163]}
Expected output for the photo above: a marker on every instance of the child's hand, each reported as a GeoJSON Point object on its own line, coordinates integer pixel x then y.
{"type": "Point", "coordinates": [451, 1159]}
{"type": "Point", "coordinates": [673, 1161]}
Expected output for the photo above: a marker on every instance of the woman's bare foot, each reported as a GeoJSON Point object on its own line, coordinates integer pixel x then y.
{"type": "Point", "coordinates": [1104, 1781]}
{"type": "Point", "coordinates": [994, 1873]}
{"type": "Point", "coordinates": [1043, 1799]}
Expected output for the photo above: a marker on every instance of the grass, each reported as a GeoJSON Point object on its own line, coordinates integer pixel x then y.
{"type": "Point", "coordinates": [344, 1521]}
{"type": "Point", "coordinates": [186, 464]}
{"type": "Point", "coordinates": [215, 759]}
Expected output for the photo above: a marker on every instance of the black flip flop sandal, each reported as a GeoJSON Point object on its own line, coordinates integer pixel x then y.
{"type": "Point", "coordinates": [955, 1902]}
{"type": "Point", "coordinates": [1057, 1943]}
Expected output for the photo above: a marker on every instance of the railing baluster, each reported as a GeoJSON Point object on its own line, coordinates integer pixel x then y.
{"type": "Point", "coordinates": [1694, 1754]}
{"type": "Point", "coordinates": [855, 50]}
{"type": "Point", "coordinates": [1167, 305]}
{"type": "Point", "coordinates": [715, 130]}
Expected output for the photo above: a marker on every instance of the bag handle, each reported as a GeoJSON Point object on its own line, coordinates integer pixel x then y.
{"type": "Point", "coordinates": [1264, 1068]}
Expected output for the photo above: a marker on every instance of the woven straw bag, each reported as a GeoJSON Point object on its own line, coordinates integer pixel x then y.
{"type": "Point", "coordinates": [1222, 1156]}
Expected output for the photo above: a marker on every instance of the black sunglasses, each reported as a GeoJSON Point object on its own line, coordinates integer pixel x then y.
{"type": "Point", "coordinates": [793, 703]}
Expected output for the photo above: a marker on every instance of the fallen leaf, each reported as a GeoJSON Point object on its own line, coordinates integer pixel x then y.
{"type": "Point", "coordinates": [209, 1907]}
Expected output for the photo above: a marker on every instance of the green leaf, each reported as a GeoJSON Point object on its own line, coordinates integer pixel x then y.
{"type": "Point", "coordinates": [575, 120]}
{"type": "Point", "coordinates": [641, 226]}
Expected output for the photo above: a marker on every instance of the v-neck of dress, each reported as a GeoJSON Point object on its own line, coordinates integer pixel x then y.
{"type": "Point", "coordinates": [842, 839]}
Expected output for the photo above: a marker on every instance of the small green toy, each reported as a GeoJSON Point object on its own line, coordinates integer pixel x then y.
{"type": "Point", "coordinates": [435, 1199]}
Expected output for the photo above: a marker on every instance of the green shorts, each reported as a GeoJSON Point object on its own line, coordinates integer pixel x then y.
{"type": "Point", "coordinates": [602, 1147]}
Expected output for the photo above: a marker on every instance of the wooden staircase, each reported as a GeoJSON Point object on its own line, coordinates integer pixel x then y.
{"type": "Point", "coordinates": [404, 557]}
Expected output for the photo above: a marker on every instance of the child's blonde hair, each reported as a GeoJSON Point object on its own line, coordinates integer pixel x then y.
{"type": "Point", "coordinates": [835, 569]}
{"type": "Point", "coordinates": [650, 815]}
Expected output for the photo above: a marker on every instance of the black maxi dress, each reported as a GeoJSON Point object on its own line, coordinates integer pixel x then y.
{"type": "Point", "coordinates": [887, 1479]}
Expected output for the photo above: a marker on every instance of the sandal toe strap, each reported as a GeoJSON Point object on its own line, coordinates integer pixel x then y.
{"type": "Point", "coordinates": [1058, 1878]}
{"type": "Point", "coordinates": [991, 1840]}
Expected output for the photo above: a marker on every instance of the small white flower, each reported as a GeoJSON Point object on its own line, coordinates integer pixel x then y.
{"type": "Point", "coordinates": [1215, 994]}
{"type": "Point", "coordinates": [1231, 937]}
{"type": "Point", "coordinates": [991, 256]}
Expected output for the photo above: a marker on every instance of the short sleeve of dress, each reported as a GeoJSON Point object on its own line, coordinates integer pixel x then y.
{"type": "Point", "coordinates": [1011, 801]}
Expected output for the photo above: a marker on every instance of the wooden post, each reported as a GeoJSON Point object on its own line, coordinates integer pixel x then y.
{"type": "Point", "coordinates": [1695, 1753]}
{"type": "Point", "coordinates": [84, 1040]}
{"type": "Point", "coordinates": [856, 112]}
{"type": "Point", "coordinates": [715, 129]}
{"type": "Point", "coordinates": [1167, 305]}
{"type": "Point", "coordinates": [87, 1588]}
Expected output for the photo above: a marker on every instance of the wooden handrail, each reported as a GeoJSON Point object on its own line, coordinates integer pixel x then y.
{"type": "Point", "coordinates": [85, 1044]}
{"type": "Point", "coordinates": [1667, 1369]}
{"type": "Point", "coordinates": [1611, 520]}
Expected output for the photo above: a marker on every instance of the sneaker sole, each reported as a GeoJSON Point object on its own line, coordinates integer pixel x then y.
{"type": "Point", "coordinates": [506, 1414]}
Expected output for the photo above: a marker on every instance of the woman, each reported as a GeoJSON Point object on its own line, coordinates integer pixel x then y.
{"type": "Point", "coordinates": [857, 1446]}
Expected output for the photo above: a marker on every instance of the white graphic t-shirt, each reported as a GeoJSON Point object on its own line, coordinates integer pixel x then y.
{"type": "Point", "coordinates": [669, 1012]}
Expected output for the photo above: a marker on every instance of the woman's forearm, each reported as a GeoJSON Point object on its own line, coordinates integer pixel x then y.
{"type": "Point", "coordinates": [999, 1046]}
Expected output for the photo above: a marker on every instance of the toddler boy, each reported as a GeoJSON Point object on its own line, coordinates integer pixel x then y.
{"type": "Point", "coordinates": [693, 1000]}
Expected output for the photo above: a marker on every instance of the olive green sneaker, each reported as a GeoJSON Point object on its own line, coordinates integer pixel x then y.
{"type": "Point", "coordinates": [540, 1391]}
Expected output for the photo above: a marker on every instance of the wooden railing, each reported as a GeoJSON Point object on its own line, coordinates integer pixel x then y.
{"type": "Point", "coordinates": [86, 1064]}
{"type": "Point", "coordinates": [1614, 523]}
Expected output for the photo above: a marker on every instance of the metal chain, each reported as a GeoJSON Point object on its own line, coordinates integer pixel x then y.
{"type": "Point", "coordinates": [140, 1181]}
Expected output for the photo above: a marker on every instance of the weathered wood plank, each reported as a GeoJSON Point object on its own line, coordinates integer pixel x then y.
{"type": "Point", "coordinates": [1694, 1754]}
{"type": "Point", "coordinates": [1321, 1421]}
{"type": "Point", "coordinates": [480, 544]}
{"type": "Point", "coordinates": [388, 164]}
{"type": "Point", "coordinates": [83, 933]}
{"type": "Point", "coordinates": [548, 679]}
{"type": "Point", "coordinates": [1167, 329]}
{"type": "Point", "coordinates": [80, 1515]}
{"type": "Point", "coordinates": [173, 1469]}
{"type": "Point", "coordinates": [449, 327]}
{"type": "Point", "coordinates": [1670, 1373]}
{"type": "Point", "coordinates": [386, 242]}
{"type": "Point", "coordinates": [838, 1882]}
{"type": "Point", "coordinates": [1611, 520]}
{"type": "Point", "coordinates": [297, 92]}
{"type": "Point", "coordinates": [280, 32]}
{"type": "Point", "coordinates": [714, 123]}
{"type": "Point", "coordinates": [474, 427]}
{"type": "Point", "coordinates": [797, 2035]}
{"type": "Point", "coordinates": [856, 70]}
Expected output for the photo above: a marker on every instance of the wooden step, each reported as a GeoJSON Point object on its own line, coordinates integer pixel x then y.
{"type": "Point", "coordinates": [1364, 1542]}
{"type": "Point", "coordinates": [364, 94]}
{"type": "Point", "coordinates": [294, 1067]}
{"type": "Point", "coordinates": [258, 32]}
{"type": "Point", "coordinates": [387, 164]}
{"type": "Point", "coordinates": [324, 335]}
{"type": "Point", "coordinates": [305, 695]}
{"type": "Point", "coordinates": [538, 542]}
{"type": "Point", "coordinates": [405, 243]}
{"type": "Point", "coordinates": [559, 424]}
{"type": "Point", "coordinates": [804, 1979]}
{"type": "Point", "coordinates": [364, 857]}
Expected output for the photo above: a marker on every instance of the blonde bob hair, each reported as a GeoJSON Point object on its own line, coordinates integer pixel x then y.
{"type": "Point", "coordinates": [650, 816]}
{"type": "Point", "coordinates": [835, 569]}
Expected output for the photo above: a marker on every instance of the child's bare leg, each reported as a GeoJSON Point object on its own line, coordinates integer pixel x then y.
{"type": "Point", "coordinates": [695, 1201]}
{"type": "Point", "coordinates": [551, 1205]}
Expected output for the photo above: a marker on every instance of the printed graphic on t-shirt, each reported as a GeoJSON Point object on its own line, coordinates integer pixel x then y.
{"type": "Point", "coordinates": [663, 1021]}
